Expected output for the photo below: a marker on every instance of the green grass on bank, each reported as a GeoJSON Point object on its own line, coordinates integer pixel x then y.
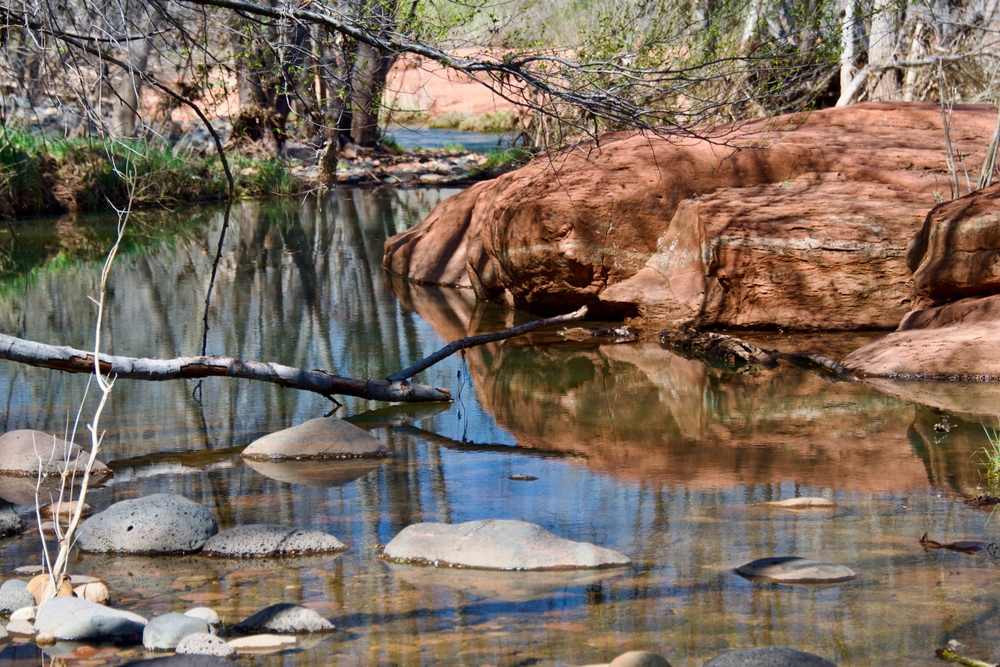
{"type": "Point", "coordinates": [43, 176]}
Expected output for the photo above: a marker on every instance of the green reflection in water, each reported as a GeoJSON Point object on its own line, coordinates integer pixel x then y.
{"type": "Point", "coordinates": [634, 448]}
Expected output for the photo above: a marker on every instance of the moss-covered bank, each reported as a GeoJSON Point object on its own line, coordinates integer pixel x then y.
{"type": "Point", "coordinates": [40, 175]}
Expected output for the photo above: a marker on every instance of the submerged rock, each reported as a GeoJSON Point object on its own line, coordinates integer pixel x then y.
{"type": "Point", "coordinates": [165, 632]}
{"type": "Point", "coordinates": [160, 523]}
{"type": "Point", "coordinates": [801, 504]}
{"type": "Point", "coordinates": [774, 656]}
{"type": "Point", "coordinates": [261, 643]}
{"type": "Point", "coordinates": [795, 222]}
{"type": "Point", "coordinates": [10, 523]}
{"type": "Point", "coordinates": [317, 474]}
{"type": "Point", "coordinates": [795, 570]}
{"type": "Point", "coordinates": [284, 619]}
{"type": "Point", "coordinates": [262, 540]}
{"type": "Point", "coordinates": [73, 619]}
{"type": "Point", "coordinates": [323, 438]}
{"type": "Point", "coordinates": [496, 544]}
{"type": "Point", "coordinates": [24, 451]}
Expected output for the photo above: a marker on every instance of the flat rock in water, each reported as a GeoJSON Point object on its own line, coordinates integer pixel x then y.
{"type": "Point", "coordinates": [21, 450]}
{"type": "Point", "coordinates": [205, 644]}
{"type": "Point", "coordinates": [160, 523]}
{"type": "Point", "coordinates": [639, 659]}
{"type": "Point", "coordinates": [261, 540]}
{"type": "Point", "coordinates": [73, 619]}
{"type": "Point", "coordinates": [284, 618]}
{"type": "Point", "coordinates": [795, 570]}
{"type": "Point", "coordinates": [12, 599]}
{"type": "Point", "coordinates": [165, 632]}
{"type": "Point", "coordinates": [323, 438]}
{"type": "Point", "coordinates": [774, 656]}
{"type": "Point", "coordinates": [204, 613]}
{"type": "Point", "coordinates": [496, 544]}
{"type": "Point", "coordinates": [801, 503]}
{"type": "Point", "coordinates": [260, 643]}
{"type": "Point", "coordinates": [20, 628]}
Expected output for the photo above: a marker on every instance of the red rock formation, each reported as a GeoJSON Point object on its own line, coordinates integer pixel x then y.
{"type": "Point", "coordinates": [956, 254]}
{"type": "Point", "coordinates": [798, 222]}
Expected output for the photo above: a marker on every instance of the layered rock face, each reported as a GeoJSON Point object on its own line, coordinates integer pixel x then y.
{"type": "Point", "coordinates": [951, 333]}
{"type": "Point", "coordinates": [798, 222]}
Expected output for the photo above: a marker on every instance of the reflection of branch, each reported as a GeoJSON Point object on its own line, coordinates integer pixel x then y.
{"type": "Point", "coordinates": [473, 341]}
{"type": "Point", "coordinates": [445, 441]}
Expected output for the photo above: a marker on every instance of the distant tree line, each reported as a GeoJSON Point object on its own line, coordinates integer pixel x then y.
{"type": "Point", "coordinates": [317, 69]}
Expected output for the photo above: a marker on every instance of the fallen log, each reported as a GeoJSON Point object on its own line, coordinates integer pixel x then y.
{"type": "Point", "coordinates": [395, 388]}
{"type": "Point", "coordinates": [740, 355]}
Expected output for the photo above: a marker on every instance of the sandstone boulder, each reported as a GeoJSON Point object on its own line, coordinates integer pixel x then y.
{"type": "Point", "coordinates": [323, 438]}
{"type": "Point", "coordinates": [22, 452]}
{"type": "Point", "coordinates": [496, 544]}
{"type": "Point", "coordinates": [261, 540]}
{"type": "Point", "coordinates": [160, 523]}
{"type": "Point", "coordinates": [769, 223]}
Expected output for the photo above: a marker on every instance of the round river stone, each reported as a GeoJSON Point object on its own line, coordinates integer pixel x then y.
{"type": "Point", "coordinates": [160, 523]}
{"type": "Point", "coordinates": [23, 449]}
{"type": "Point", "coordinates": [322, 438]}
{"type": "Point", "coordinates": [284, 618]}
{"type": "Point", "coordinates": [261, 540]}
{"type": "Point", "coordinates": [496, 544]}
{"type": "Point", "coordinates": [795, 570]}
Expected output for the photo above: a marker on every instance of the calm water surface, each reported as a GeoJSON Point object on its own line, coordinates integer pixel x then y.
{"type": "Point", "coordinates": [635, 448]}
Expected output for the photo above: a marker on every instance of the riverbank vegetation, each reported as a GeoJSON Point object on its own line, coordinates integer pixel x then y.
{"type": "Point", "coordinates": [316, 76]}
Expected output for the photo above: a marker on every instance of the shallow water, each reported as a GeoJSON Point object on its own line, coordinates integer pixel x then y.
{"type": "Point", "coordinates": [634, 448]}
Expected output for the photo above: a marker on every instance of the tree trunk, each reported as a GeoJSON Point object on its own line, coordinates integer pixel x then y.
{"type": "Point", "coordinates": [848, 35]}
{"type": "Point", "coordinates": [128, 93]}
{"type": "Point", "coordinates": [884, 84]}
{"type": "Point", "coordinates": [371, 68]}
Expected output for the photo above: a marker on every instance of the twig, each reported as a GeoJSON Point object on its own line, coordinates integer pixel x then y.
{"type": "Point", "coordinates": [473, 341]}
{"type": "Point", "coordinates": [945, 653]}
{"type": "Point", "coordinates": [947, 134]}
{"type": "Point", "coordinates": [990, 161]}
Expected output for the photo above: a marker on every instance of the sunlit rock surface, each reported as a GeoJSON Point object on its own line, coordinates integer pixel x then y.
{"type": "Point", "coordinates": [23, 452]}
{"type": "Point", "coordinates": [799, 222]}
{"type": "Point", "coordinates": [322, 438]}
{"type": "Point", "coordinates": [159, 523]}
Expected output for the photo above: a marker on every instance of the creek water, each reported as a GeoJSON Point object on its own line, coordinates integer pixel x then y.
{"type": "Point", "coordinates": [657, 456]}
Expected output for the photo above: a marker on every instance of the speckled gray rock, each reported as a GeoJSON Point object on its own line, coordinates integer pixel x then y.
{"type": "Point", "coordinates": [205, 614]}
{"type": "Point", "coordinates": [10, 523]}
{"type": "Point", "coordinates": [163, 633]}
{"type": "Point", "coordinates": [160, 523]}
{"type": "Point", "coordinates": [11, 584]}
{"type": "Point", "coordinates": [21, 450]}
{"type": "Point", "coordinates": [496, 544]}
{"type": "Point", "coordinates": [12, 599]}
{"type": "Point", "coordinates": [261, 540]}
{"type": "Point", "coordinates": [795, 570]}
{"type": "Point", "coordinates": [75, 619]}
{"type": "Point", "coordinates": [639, 659]}
{"type": "Point", "coordinates": [284, 619]}
{"type": "Point", "coordinates": [323, 438]}
{"type": "Point", "coordinates": [205, 644]}
{"type": "Point", "coordinates": [774, 656]}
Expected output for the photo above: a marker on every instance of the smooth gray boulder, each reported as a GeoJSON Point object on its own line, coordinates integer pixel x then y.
{"type": "Point", "coordinates": [496, 544]}
{"type": "Point", "coordinates": [163, 633]}
{"type": "Point", "coordinates": [22, 452]}
{"type": "Point", "coordinates": [261, 540]}
{"type": "Point", "coordinates": [205, 644]}
{"type": "Point", "coordinates": [10, 523]}
{"type": "Point", "coordinates": [14, 583]}
{"type": "Point", "coordinates": [285, 619]}
{"type": "Point", "coordinates": [73, 619]}
{"type": "Point", "coordinates": [773, 656]}
{"type": "Point", "coordinates": [322, 438]}
{"type": "Point", "coordinates": [13, 598]}
{"type": "Point", "coordinates": [160, 523]}
{"type": "Point", "coordinates": [795, 570]}
{"type": "Point", "coordinates": [204, 613]}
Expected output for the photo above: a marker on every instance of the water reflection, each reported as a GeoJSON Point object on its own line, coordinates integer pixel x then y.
{"type": "Point", "coordinates": [634, 448]}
